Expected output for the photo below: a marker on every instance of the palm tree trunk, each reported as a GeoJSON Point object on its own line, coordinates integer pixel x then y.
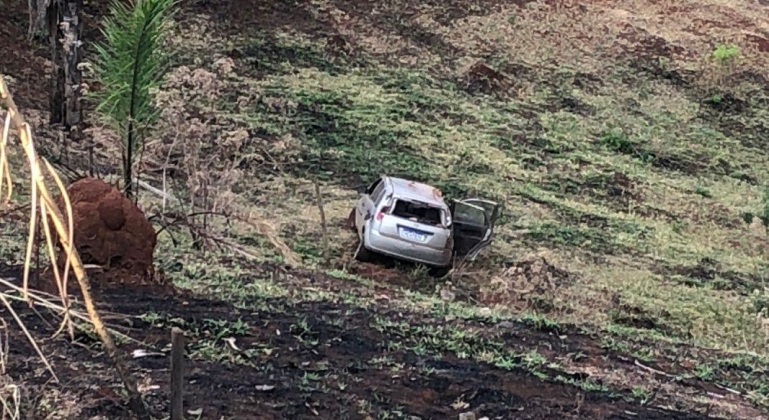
{"type": "Point", "coordinates": [65, 32]}
{"type": "Point", "coordinates": [57, 90]}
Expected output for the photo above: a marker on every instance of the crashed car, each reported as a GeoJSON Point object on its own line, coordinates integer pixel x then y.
{"type": "Point", "coordinates": [410, 221]}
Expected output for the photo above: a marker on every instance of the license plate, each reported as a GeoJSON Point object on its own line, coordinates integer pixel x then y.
{"type": "Point", "coordinates": [413, 235]}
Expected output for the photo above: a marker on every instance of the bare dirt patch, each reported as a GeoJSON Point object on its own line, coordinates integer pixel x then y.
{"type": "Point", "coordinates": [22, 60]}
{"type": "Point", "coordinates": [450, 11]}
{"type": "Point", "coordinates": [480, 78]}
{"type": "Point", "coordinates": [614, 188]}
{"type": "Point", "coordinates": [648, 54]}
{"type": "Point", "coordinates": [233, 16]}
{"type": "Point", "coordinates": [528, 283]}
{"type": "Point", "coordinates": [709, 272]}
{"type": "Point", "coordinates": [636, 317]}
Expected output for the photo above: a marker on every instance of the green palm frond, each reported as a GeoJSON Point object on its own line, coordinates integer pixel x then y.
{"type": "Point", "coordinates": [128, 65]}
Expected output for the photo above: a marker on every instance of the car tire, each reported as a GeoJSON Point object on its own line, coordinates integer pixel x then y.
{"type": "Point", "coordinates": [439, 272]}
{"type": "Point", "coordinates": [362, 254]}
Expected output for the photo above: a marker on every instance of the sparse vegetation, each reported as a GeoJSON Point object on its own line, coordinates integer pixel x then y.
{"type": "Point", "coordinates": [628, 272]}
{"type": "Point", "coordinates": [725, 53]}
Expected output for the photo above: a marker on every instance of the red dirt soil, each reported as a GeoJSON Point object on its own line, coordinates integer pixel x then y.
{"type": "Point", "coordinates": [111, 231]}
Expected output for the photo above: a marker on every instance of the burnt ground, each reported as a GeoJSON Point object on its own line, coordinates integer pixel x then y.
{"type": "Point", "coordinates": [317, 359]}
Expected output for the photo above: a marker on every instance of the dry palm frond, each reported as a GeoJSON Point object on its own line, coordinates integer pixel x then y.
{"type": "Point", "coordinates": [42, 299]}
{"type": "Point", "coordinates": [5, 171]}
{"type": "Point", "coordinates": [3, 347]}
{"type": "Point", "coordinates": [10, 399]}
{"type": "Point", "coordinates": [25, 137]}
{"type": "Point", "coordinates": [41, 197]}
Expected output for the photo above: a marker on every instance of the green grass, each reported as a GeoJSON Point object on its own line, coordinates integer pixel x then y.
{"type": "Point", "coordinates": [581, 184]}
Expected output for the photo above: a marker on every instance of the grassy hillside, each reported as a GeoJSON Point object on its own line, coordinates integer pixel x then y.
{"type": "Point", "coordinates": [627, 153]}
{"type": "Point", "coordinates": [627, 141]}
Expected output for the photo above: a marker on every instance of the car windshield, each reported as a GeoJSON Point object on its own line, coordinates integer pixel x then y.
{"type": "Point", "coordinates": [465, 213]}
{"type": "Point", "coordinates": [418, 212]}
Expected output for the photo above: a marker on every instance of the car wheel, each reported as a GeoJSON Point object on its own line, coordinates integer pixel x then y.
{"type": "Point", "coordinates": [439, 271]}
{"type": "Point", "coordinates": [362, 254]}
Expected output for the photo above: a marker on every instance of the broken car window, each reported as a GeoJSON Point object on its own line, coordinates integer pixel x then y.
{"type": "Point", "coordinates": [418, 212]}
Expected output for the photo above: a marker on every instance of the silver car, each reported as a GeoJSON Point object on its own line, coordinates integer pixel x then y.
{"type": "Point", "coordinates": [411, 221]}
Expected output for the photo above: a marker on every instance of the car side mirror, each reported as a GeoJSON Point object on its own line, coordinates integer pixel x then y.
{"type": "Point", "coordinates": [361, 189]}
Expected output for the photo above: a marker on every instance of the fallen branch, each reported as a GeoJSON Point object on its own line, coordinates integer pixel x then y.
{"type": "Point", "coordinates": [156, 191]}
{"type": "Point", "coordinates": [733, 391]}
{"type": "Point", "coordinates": [652, 370]}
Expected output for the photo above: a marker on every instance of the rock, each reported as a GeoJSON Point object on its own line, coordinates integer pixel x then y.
{"type": "Point", "coordinates": [467, 416]}
{"type": "Point", "coordinates": [447, 295]}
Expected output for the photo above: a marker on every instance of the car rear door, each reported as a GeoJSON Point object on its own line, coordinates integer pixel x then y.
{"type": "Point", "coordinates": [473, 221]}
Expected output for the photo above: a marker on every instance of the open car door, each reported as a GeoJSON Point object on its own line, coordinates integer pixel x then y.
{"type": "Point", "coordinates": [473, 224]}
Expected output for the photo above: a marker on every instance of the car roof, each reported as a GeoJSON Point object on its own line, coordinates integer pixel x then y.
{"type": "Point", "coordinates": [416, 191]}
